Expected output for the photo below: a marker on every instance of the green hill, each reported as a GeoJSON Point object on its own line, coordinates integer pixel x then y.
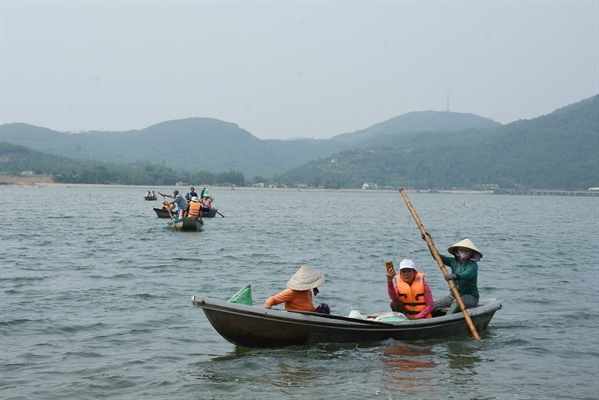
{"type": "Point", "coordinates": [419, 121]}
{"type": "Point", "coordinates": [210, 144]}
{"type": "Point", "coordinates": [423, 150]}
{"type": "Point", "coordinates": [556, 151]}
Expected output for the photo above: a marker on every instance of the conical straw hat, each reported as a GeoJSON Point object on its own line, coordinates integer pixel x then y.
{"type": "Point", "coordinates": [305, 278]}
{"type": "Point", "coordinates": [466, 243]}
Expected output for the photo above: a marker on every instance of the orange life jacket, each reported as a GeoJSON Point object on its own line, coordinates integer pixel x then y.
{"type": "Point", "coordinates": [412, 296]}
{"type": "Point", "coordinates": [194, 209]}
{"type": "Point", "coordinates": [206, 202]}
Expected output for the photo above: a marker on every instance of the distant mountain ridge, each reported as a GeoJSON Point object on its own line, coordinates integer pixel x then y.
{"type": "Point", "coordinates": [211, 144]}
{"type": "Point", "coordinates": [424, 150]}
{"type": "Point", "coordinates": [557, 151]}
{"type": "Point", "coordinates": [417, 121]}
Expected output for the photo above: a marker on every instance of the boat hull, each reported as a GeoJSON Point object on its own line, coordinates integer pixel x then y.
{"type": "Point", "coordinates": [187, 224]}
{"type": "Point", "coordinates": [251, 326]}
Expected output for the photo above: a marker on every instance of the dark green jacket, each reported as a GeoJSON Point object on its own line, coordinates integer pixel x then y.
{"type": "Point", "coordinates": [467, 275]}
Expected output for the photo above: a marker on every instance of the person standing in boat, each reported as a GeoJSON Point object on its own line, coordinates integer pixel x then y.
{"type": "Point", "coordinates": [180, 201]}
{"type": "Point", "coordinates": [195, 208]}
{"type": "Point", "coordinates": [298, 295]}
{"type": "Point", "coordinates": [409, 292]}
{"type": "Point", "coordinates": [464, 274]}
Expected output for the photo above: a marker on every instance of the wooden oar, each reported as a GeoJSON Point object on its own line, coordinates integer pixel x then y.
{"type": "Point", "coordinates": [220, 214]}
{"type": "Point", "coordinates": [167, 207]}
{"type": "Point", "coordinates": [436, 256]}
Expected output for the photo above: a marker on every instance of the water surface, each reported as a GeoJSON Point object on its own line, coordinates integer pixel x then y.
{"type": "Point", "coordinates": [95, 295]}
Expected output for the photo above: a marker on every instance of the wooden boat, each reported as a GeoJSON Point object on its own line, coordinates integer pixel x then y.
{"type": "Point", "coordinates": [163, 213]}
{"type": "Point", "coordinates": [252, 326]}
{"type": "Point", "coordinates": [187, 224]}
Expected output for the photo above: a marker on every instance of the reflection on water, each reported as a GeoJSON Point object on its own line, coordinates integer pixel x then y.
{"type": "Point", "coordinates": [462, 357]}
{"type": "Point", "coordinates": [409, 368]}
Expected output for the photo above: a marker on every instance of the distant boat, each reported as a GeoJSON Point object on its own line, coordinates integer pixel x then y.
{"type": "Point", "coordinates": [150, 198]}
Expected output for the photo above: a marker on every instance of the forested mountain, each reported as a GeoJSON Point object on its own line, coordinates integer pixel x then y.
{"type": "Point", "coordinates": [418, 121]}
{"type": "Point", "coordinates": [423, 150]}
{"type": "Point", "coordinates": [15, 159]}
{"type": "Point", "coordinates": [210, 144]}
{"type": "Point", "coordinates": [557, 151]}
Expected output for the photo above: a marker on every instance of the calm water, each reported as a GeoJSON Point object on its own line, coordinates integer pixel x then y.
{"type": "Point", "coordinates": [95, 295]}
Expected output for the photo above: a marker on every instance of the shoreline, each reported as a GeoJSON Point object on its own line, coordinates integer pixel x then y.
{"type": "Point", "coordinates": [46, 181]}
{"type": "Point", "coordinates": [169, 188]}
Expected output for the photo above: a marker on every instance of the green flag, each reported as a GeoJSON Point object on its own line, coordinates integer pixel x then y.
{"type": "Point", "coordinates": [244, 296]}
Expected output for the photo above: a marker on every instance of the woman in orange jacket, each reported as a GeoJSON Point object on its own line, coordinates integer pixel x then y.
{"type": "Point", "coordinates": [298, 295]}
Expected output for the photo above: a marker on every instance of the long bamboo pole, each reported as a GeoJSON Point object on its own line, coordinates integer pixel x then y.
{"type": "Point", "coordinates": [436, 256]}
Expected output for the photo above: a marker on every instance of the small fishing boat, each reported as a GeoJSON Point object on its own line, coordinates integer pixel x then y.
{"type": "Point", "coordinates": [150, 198]}
{"type": "Point", "coordinates": [252, 326]}
{"type": "Point", "coordinates": [163, 213]}
{"type": "Point", "coordinates": [187, 224]}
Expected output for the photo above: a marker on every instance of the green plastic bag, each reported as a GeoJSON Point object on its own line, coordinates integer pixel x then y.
{"type": "Point", "coordinates": [244, 296]}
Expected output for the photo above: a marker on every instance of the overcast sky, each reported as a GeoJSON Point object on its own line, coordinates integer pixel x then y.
{"type": "Point", "coordinates": [283, 69]}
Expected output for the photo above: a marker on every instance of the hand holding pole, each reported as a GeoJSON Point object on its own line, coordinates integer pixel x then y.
{"type": "Point", "coordinates": [437, 258]}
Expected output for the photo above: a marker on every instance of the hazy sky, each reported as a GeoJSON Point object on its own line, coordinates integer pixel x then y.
{"type": "Point", "coordinates": [283, 69]}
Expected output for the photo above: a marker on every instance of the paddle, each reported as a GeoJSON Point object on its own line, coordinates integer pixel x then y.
{"type": "Point", "coordinates": [168, 208]}
{"type": "Point", "coordinates": [436, 256]}
{"type": "Point", "coordinates": [220, 214]}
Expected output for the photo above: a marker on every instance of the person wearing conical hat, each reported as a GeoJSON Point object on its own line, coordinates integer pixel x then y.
{"type": "Point", "coordinates": [464, 274]}
{"type": "Point", "coordinates": [298, 295]}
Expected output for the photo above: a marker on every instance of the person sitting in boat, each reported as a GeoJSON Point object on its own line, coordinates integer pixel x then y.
{"type": "Point", "coordinates": [464, 274]}
{"type": "Point", "coordinates": [298, 295]}
{"type": "Point", "coordinates": [180, 201]}
{"type": "Point", "coordinates": [192, 193]}
{"type": "Point", "coordinates": [195, 208]}
{"type": "Point", "coordinates": [409, 292]}
{"type": "Point", "coordinates": [206, 204]}
{"type": "Point", "coordinates": [149, 195]}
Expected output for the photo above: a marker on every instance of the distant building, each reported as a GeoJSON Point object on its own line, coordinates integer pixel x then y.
{"type": "Point", "coordinates": [258, 185]}
{"type": "Point", "coordinates": [485, 186]}
{"type": "Point", "coordinates": [27, 173]}
{"type": "Point", "coordinates": [365, 186]}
